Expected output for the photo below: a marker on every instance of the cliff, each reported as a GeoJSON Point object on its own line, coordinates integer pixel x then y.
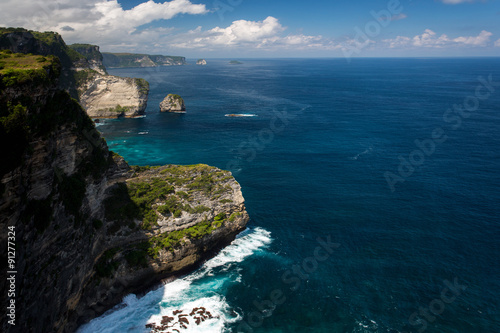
{"type": "Point", "coordinates": [108, 96]}
{"type": "Point", "coordinates": [117, 60]}
{"type": "Point", "coordinates": [92, 58]}
{"type": "Point", "coordinates": [90, 229]}
{"type": "Point", "coordinates": [83, 73]}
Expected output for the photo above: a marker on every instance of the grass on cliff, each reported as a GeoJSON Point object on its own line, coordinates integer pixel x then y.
{"type": "Point", "coordinates": [170, 240]}
{"type": "Point", "coordinates": [18, 68]}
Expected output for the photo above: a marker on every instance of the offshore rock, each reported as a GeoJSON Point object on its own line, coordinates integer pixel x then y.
{"type": "Point", "coordinates": [173, 103]}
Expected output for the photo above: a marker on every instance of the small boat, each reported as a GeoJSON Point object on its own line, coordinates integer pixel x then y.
{"type": "Point", "coordinates": [241, 115]}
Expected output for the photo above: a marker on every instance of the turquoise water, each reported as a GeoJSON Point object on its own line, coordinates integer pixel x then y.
{"type": "Point", "coordinates": [370, 157]}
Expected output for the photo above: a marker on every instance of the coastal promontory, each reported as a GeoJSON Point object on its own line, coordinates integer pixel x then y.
{"type": "Point", "coordinates": [173, 103]}
{"type": "Point", "coordinates": [90, 229]}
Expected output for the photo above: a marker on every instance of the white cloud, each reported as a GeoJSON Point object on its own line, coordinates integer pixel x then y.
{"type": "Point", "coordinates": [242, 34]}
{"type": "Point", "coordinates": [497, 43]}
{"type": "Point", "coordinates": [481, 40]}
{"type": "Point", "coordinates": [430, 39]}
{"type": "Point", "coordinates": [398, 17]}
{"type": "Point", "coordinates": [96, 21]}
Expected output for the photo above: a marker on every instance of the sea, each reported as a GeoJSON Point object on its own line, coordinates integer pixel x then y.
{"type": "Point", "coordinates": [372, 184]}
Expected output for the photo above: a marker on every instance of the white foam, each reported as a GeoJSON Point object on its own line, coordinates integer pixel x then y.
{"type": "Point", "coordinates": [202, 288]}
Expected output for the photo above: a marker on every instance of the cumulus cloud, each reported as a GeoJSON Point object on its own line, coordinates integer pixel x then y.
{"type": "Point", "coordinates": [431, 40]}
{"type": "Point", "coordinates": [267, 34]}
{"type": "Point", "coordinates": [497, 43]}
{"type": "Point", "coordinates": [98, 21]}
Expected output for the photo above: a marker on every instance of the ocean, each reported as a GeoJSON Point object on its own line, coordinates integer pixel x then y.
{"type": "Point", "coordinates": [373, 188]}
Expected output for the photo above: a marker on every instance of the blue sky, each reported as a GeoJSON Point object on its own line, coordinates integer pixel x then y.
{"type": "Point", "coordinates": [272, 28]}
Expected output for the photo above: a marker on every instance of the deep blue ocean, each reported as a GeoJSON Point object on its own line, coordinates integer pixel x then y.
{"type": "Point", "coordinates": [373, 188]}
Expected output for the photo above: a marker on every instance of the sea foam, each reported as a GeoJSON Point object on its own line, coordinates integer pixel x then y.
{"type": "Point", "coordinates": [204, 288]}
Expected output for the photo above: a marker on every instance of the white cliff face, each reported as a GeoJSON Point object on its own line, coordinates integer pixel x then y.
{"type": "Point", "coordinates": [108, 96]}
{"type": "Point", "coordinates": [202, 62]}
{"type": "Point", "coordinates": [172, 103]}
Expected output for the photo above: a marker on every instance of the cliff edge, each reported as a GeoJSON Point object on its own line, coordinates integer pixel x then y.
{"type": "Point", "coordinates": [89, 228]}
{"type": "Point", "coordinates": [83, 74]}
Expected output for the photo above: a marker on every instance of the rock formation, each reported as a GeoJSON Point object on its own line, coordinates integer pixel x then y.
{"type": "Point", "coordinates": [108, 96]}
{"type": "Point", "coordinates": [172, 103]}
{"type": "Point", "coordinates": [92, 60]}
{"type": "Point", "coordinates": [202, 62]}
{"type": "Point", "coordinates": [89, 229]}
{"type": "Point", "coordinates": [121, 60]}
{"type": "Point", "coordinates": [83, 74]}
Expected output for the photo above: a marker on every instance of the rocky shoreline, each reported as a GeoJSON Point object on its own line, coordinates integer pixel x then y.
{"type": "Point", "coordinates": [91, 229]}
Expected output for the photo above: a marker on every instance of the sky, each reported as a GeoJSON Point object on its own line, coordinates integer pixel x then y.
{"type": "Point", "coordinates": [269, 28]}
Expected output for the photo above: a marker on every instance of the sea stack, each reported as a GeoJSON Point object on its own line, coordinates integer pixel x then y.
{"type": "Point", "coordinates": [173, 103]}
{"type": "Point", "coordinates": [202, 62]}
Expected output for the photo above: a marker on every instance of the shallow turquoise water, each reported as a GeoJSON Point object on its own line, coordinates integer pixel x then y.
{"type": "Point", "coordinates": [314, 162]}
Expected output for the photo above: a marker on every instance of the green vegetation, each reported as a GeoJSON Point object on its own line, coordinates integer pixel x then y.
{"type": "Point", "coordinates": [170, 240]}
{"type": "Point", "coordinates": [137, 258]}
{"type": "Point", "coordinates": [121, 109]}
{"type": "Point", "coordinates": [234, 216]}
{"type": "Point", "coordinates": [89, 51]}
{"type": "Point", "coordinates": [175, 97]}
{"type": "Point", "coordinates": [106, 266]}
{"type": "Point", "coordinates": [83, 76]}
{"type": "Point", "coordinates": [135, 200]}
{"type": "Point", "coordinates": [18, 68]}
{"type": "Point", "coordinates": [143, 86]}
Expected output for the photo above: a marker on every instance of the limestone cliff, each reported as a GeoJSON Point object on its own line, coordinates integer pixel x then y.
{"type": "Point", "coordinates": [108, 96]}
{"type": "Point", "coordinates": [92, 58]}
{"type": "Point", "coordinates": [89, 228]}
{"type": "Point", "coordinates": [201, 62]}
{"type": "Point", "coordinates": [120, 60]}
{"type": "Point", "coordinates": [103, 95]}
{"type": "Point", "coordinates": [82, 73]}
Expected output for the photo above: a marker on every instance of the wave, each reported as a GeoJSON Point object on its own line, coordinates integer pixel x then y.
{"type": "Point", "coordinates": [361, 154]}
{"type": "Point", "coordinates": [240, 115]}
{"type": "Point", "coordinates": [204, 288]}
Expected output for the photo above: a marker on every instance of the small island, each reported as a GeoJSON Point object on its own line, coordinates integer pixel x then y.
{"type": "Point", "coordinates": [201, 62]}
{"type": "Point", "coordinates": [173, 103]}
{"type": "Point", "coordinates": [235, 62]}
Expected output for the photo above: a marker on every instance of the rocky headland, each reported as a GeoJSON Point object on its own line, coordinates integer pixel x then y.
{"type": "Point", "coordinates": [123, 60]}
{"type": "Point", "coordinates": [89, 228]}
{"type": "Point", "coordinates": [201, 62]}
{"type": "Point", "coordinates": [83, 74]}
{"type": "Point", "coordinates": [173, 103]}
